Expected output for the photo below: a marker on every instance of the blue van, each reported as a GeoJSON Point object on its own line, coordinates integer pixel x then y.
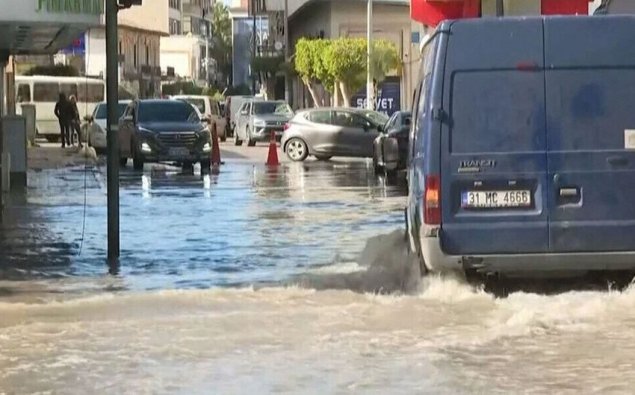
{"type": "Point", "coordinates": [522, 146]}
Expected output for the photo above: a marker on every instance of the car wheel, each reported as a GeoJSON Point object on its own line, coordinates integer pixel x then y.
{"type": "Point", "coordinates": [297, 150]}
{"type": "Point", "coordinates": [51, 138]}
{"type": "Point", "coordinates": [205, 164]}
{"type": "Point", "coordinates": [237, 140]}
{"type": "Point", "coordinates": [250, 142]}
{"type": "Point", "coordinates": [323, 158]}
{"type": "Point", "coordinates": [137, 159]}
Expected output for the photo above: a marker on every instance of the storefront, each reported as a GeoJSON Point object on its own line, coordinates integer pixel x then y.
{"type": "Point", "coordinates": [431, 12]}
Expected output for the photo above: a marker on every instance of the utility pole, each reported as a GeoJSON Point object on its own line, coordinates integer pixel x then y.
{"type": "Point", "coordinates": [370, 97]}
{"type": "Point", "coordinates": [287, 97]}
{"type": "Point", "coordinates": [253, 47]}
{"type": "Point", "coordinates": [112, 88]}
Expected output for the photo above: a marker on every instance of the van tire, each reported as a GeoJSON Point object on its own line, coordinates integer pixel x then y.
{"type": "Point", "coordinates": [52, 138]}
{"type": "Point", "coordinates": [237, 141]}
{"type": "Point", "coordinates": [137, 159]}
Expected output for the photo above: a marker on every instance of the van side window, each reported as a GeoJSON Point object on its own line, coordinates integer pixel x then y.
{"type": "Point", "coordinates": [69, 89]}
{"type": "Point", "coordinates": [46, 92]}
{"type": "Point", "coordinates": [91, 93]}
{"type": "Point", "coordinates": [24, 93]}
{"type": "Point", "coordinates": [422, 94]}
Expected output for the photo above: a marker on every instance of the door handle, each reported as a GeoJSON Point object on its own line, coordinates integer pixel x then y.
{"type": "Point", "coordinates": [617, 161]}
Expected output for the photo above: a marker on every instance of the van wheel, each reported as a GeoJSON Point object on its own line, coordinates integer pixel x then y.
{"type": "Point", "coordinates": [237, 141]}
{"type": "Point", "coordinates": [223, 138]}
{"type": "Point", "coordinates": [51, 138]}
{"type": "Point", "coordinates": [123, 162]}
{"type": "Point", "coordinates": [250, 142]}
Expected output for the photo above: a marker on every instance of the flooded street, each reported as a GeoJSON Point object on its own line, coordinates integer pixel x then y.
{"type": "Point", "coordinates": [290, 281]}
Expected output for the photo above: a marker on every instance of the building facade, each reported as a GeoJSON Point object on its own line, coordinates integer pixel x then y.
{"type": "Point", "coordinates": [347, 18]}
{"type": "Point", "coordinates": [140, 31]}
{"type": "Point", "coordinates": [185, 52]}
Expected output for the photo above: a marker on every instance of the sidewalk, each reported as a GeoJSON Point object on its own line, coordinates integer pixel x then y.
{"type": "Point", "coordinates": [40, 158]}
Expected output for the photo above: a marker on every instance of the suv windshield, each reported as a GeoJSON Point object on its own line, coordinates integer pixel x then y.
{"type": "Point", "coordinates": [272, 107]}
{"type": "Point", "coordinates": [167, 111]}
{"type": "Point", "coordinates": [376, 117]}
{"type": "Point", "coordinates": [102, 111]}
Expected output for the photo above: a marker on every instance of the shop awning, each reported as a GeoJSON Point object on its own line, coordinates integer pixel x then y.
{"type": "Point", "coordinates": [431, 12]}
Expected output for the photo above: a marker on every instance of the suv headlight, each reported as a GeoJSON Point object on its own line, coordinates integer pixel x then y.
{"type": "Point", "coordinates": [260, 123]}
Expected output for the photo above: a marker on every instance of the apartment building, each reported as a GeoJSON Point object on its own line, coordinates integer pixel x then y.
{"type": "Point", "coordinates": [140, 31]}
{"type": "Point", "coordinates": [184, 53]}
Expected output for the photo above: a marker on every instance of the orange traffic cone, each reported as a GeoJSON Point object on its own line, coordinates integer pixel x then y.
{"type": "Point", "coordinates": [215, 158]}
{"type": "Point", "coordinates": [272, 158]}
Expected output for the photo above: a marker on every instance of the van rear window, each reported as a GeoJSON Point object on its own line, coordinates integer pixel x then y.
{"type": "Point", "coordinates": [498, 111]}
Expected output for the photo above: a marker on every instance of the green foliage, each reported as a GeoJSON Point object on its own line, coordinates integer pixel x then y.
{"type": "Point", "coordinates": [267, 65]}
{"type": "Point", "coordinates": [343, 60]}
{"type": "Point", "coordinates": [221, 49]}
{"type": "Point", "coordinates": [384, 59]}
{"type": "Point", "coordinates": [59, 70]}
{"type": "Point", "coordinates": [182, 88]}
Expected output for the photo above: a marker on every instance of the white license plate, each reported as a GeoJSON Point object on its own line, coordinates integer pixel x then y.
{"type": "Point", "coordinates": [495, 199]}
{"type": "Point", "coordinates": [179, 151]}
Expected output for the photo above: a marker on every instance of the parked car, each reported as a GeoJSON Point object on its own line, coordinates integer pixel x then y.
{"type": "Point", "coordinates": [328, 132]}
{"type": "Point", "coordinates": [96, 125]}
{"type": "Point", "coordinates": [164, 131]}
{"type": "Point", "coordinates": [257, 119]}
{"type": "Point", "coordinates": [232, 106]}
{"type": "Point", "coordinates": [395, 132]}
{"type": "Point", "coordinates": [523, 157]}
{"type": "Point", "coordinates": [210, 109]}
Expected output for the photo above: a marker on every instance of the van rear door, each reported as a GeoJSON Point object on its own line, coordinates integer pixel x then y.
{"type": "Point", "coordinates": [590, 118]}
{"type": "Point", "coordinates": [494, 140]}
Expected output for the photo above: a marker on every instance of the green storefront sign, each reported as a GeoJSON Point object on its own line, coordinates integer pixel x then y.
{"type": "Point", "coordinates": [88, 7]}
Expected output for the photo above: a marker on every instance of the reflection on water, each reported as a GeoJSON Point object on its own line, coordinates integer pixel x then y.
{"type": "Point", "coordinates": [246, 225]}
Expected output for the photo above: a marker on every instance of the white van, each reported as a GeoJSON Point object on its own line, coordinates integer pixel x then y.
{"type": "Point", "coordinates": [43, 91]}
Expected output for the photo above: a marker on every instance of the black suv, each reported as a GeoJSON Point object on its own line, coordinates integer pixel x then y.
{"type": "Point", "coordinates": [164, 131]}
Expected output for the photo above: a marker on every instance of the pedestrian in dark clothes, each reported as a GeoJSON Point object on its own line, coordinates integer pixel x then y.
{"type": "Point", "coordinates": [64, 116]}
{"type": "Point", "coordinates": [75, 122]}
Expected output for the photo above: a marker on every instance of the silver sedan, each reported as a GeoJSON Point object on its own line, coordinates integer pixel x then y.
{"type": "Point", "coordinates": [328, 132]}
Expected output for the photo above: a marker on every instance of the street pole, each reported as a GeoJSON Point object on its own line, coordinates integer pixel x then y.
{"type": "Point", "coordinates": [370, 99]}
{"type": "Point", "coordinates": [112, 87]}
{"type": "Point", "coordinates": [287, 97]}
{"type": "Point", "coordinates": [253, 47]}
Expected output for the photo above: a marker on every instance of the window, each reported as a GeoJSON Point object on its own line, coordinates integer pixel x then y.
{"type": "Point", "coordinates": [147, 55]}
{"type": "Point", "coordinates": [134, 55]}
{"type": "Point", "coordinates": [175, 27]}
{"type": "Point", "coordinates": [168, 111]}
{"type": "Point", "coordinates": [323, 117]}
{"type": "Point", "coordinates": [350, 120]}
{"type": "Point", "coordinates": [101, 111]}
{"type": "Point", "coordinates": [198, 103]}
{"type": "Point", "coordinates": [267, 107]}
{"type": "Point", "coordinates": [46, 92]}
{"type": "Point", "coordinates": [24, 93]}
{"type": "Point", "coordinates": [175, 4]}
{"type": "Point", "coordinates": [120, 48]}
{"type": "Point", "coordinates": [69, 90]}
{"type": "Point", "coordinates": [91, 93]}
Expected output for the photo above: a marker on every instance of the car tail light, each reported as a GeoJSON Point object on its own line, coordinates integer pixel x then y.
{"type": "Point", "coordinates": [286, 126]}
{"type": "Point", "coordinates": [432, 201]}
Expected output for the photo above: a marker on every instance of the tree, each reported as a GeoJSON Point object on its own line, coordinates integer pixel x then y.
{"type": "Point", "coordinates": [268, 68]}
{"type": "Point", "coordinates": [59, 70]}
{"type": "Point", "coordinates": [221, 49]}
{"type": "Point", "coordinates": [311, 66]}
{"type": "Point", "coordinates": [345, 60]}
{"type": "Point", "coordinates": [340, 65]}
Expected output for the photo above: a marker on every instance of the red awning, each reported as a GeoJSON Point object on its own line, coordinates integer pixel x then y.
{"type": "Point", "coordinates": [431, 12]}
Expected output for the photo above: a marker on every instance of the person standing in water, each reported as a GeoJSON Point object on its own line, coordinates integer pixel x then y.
{"type": "Point", "coordinates": [63, 113]}
{"type": "Point", "coordinates": [75, 124]}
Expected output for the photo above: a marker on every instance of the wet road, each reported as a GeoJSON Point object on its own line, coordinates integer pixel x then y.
{"type": "Point", "coordinates": [293, 281]}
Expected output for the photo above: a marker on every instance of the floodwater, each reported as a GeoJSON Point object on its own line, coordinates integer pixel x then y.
{"type": "Point", "coordinates": [255, 282]}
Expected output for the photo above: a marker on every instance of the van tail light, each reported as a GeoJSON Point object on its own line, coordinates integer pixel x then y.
{"type": "Point", "coordinates": [527, 66]}
{"type": "Point", "coordinates": [432, 201]}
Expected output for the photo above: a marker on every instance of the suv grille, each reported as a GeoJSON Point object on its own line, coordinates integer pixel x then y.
{"type": "Point", "coordinates": [184, 139]}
